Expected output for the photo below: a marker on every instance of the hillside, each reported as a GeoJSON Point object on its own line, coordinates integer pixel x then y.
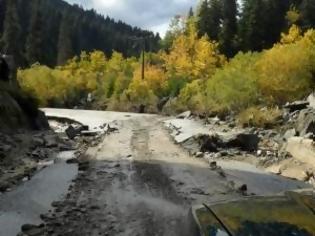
{"type": "Point", "coordinates": [52, 31]}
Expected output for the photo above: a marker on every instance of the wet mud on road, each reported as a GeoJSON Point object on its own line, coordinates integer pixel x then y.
{"type": "Point", "coordinates": [139, 182]}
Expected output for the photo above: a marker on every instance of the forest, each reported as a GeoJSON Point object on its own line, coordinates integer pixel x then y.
{"type": "Point", "coordinates": [52, 31]}
{"type": "Point", "coordinates": [222, 58]}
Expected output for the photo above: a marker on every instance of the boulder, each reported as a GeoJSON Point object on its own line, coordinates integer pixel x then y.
{"type": "Point", "coordinates": [89, 133]}
{"type": "Point", "coordinates": [199, 155]}
{"type": "Point", "coordinates": [201, 143]}
{"type": "Point", "coordinates": [72, 132]}
{"type": "Point", "coordinates": [297, 106]}
{"type": "Point", "coordinates": [12, 116]}
{"type": "Point", "coordinates": [51, 141]}
{"type": "Point", "coordinates": [32, 230]}
{"type": "Point", "coordinates": [4, 186]}
{"type": "Point", "coordinates": [311, 100]}
{"type": "Point", "coordinates": [306, 122]}
{"type": "Point", "coordinates": [162, 103]}
{"type": "Point", "coordinates": [243, 140]}
{"type": "Point", "coordinates": [289, 134]}
{"type": "Point", "coordinates": [38, 142]}
{"type": "Point", "coordinates": [41, 121]}
{"type": "Point", "coordinates": [184, 115]}
{"type": "Point", "coordinates": [5, 148]}
{"type": "Point", "coordinates": [301, 149]}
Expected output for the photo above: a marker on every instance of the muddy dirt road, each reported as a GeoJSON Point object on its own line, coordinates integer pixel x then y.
{"type": "Point", "coordinates": [140, 183]}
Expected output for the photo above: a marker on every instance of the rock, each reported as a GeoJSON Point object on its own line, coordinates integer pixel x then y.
{"type": "Point", "coordinates": [308, 176]}
{"type": "Point", "coordinates": [242, 189]}
{"type": "Point", "coordinates": [259, 153]}
{"type": "Point", "coordinates": [297, 106]}
{"type": "Point", "coordinates": [208, 143]}
{"type": "Point", "coordinates": [217, 155]}
{"type": "Point", "coordinates": [311, 100]}
{"type": "Point", "coordinates": [39, 154]}
{"type": "Point", "coordinates": [306, 122]}
{"type": "Point", "coordinates": [301, 149]}
{"type": "Point", "coordinates": [25, 179]}
{"type": "Point", "coordinates": [184, 115]}
{"type": "Point", "coordinates": [66, 147]}
{"type": "Point", "coordinates": [199, 154]}
{"type": "Point", "coordinates": [38, 142]}
{"type": "Point", "coordinates": [110, 129]}
{"type": "Point", "coordinates": [244, 141]}
{"type": "Point", "coordinates": [83, 166]}
{"type": "Point", "coordinates": [32, 230]}
{"type": "Point", "coordinates": [72, 161]}
{"type": "Point", "coordinates": [309, 136]}
{"type": "Point", "coordinates": [4, 186]}
{"type": "Point", "coordinates": [5, 148]}
{"type": "Point", "coordinates": [201, 143]}
{"type": "Point", "coordinates": [224, 153]}
{"type": "Point", "coordinates": [89, 133]}
{"type": "Point", "coordinates": [72, 132]}
{"type": "Point", "coordinates": [142, 109]}
{"type": "Point", "coordinates": [162, 103]}
{"type": "Point", "coordinates": [83, 128]}
{"type": "Point", "coordinates": [51, 141]}
{"type": "Point", "coordinates": [41, 121]}
{"type": "Point", "coordinates": [213, 165]}
{"type": "Point", "coordinates": [289, 134]}
{"type": "Point", "coordinates": [221, 172]}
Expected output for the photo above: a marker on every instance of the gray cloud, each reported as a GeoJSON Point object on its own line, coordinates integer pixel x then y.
{"type": "Point", "coordinates": [148, 14]}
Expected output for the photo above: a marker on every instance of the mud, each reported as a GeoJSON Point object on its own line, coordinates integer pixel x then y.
{"type": "Point", "coordinates": [138, 182]}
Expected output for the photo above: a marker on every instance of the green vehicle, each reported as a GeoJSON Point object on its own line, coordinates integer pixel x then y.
{"type": "Point", "coordinates": [291, 214]}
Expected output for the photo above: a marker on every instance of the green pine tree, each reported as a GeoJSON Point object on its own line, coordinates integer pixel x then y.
{"type": "Point", "coordinates": [307, 10]}
{"type": "Point", "coordinates": [191, 12]}
{"type": "Point", "coordinates": [229, 28]}
{"type": "Point", "coordinates": [252, 25]}
{"type": "Point", "coordinates": [209, 18]}
{"type": "Point", "coordinates": [34, 41]}
{"type": "Point", "coordinates": [11, 37]}
{"type": "Point", "coordinates": [65, 45]}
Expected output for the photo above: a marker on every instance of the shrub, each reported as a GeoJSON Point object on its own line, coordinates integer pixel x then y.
{"type": "Point", "coordinates": [286, 71]}
{"type": "Point", "coordinates": [259, 117]}
{"type": "Point", "coordinates": [234, 87]}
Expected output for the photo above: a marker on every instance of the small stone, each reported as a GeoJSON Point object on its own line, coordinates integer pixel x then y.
{"type": "Point", "coordinates": [4, 186]}
{"type": "Point", "coordinates": [217, 155]}
{"type": "Point", "coordinates": [221, 172]}
{"type": "Point", "coordinates": [25, 179]}
{"type": "Point", "coordinates": [199, 154]}
{"type": "Point", "coordinates": [32, 230]}
{"type": "Point", "coordinates": [242, 188]}
{"type": "Point", "coordinates": [308, 175]}
{"type": "Point", "coordinates": [213, 165]}
{"type": "Point", "coordinates": [72, 161]}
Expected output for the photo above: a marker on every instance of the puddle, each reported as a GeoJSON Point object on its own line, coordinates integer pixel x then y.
{"type": "Point", "coordinates": [258, 181]}
{"type": "Point", "coordinates": [28, 201]}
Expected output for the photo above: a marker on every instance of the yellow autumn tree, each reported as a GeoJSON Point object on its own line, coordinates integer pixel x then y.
{"type": "Point", "coordinates": [140, 93]}
{"type": "Point", "coordinates": [191, 57]}
{"type": "Point", "coordinates": [286, 71]}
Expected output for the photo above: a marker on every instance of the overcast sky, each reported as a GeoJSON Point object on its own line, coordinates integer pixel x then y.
{"type": "Point", "coordinates": [154, 15]}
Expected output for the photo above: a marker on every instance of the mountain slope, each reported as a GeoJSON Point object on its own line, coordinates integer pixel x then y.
{"type": "Point", "coordinates": [52, 31]}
